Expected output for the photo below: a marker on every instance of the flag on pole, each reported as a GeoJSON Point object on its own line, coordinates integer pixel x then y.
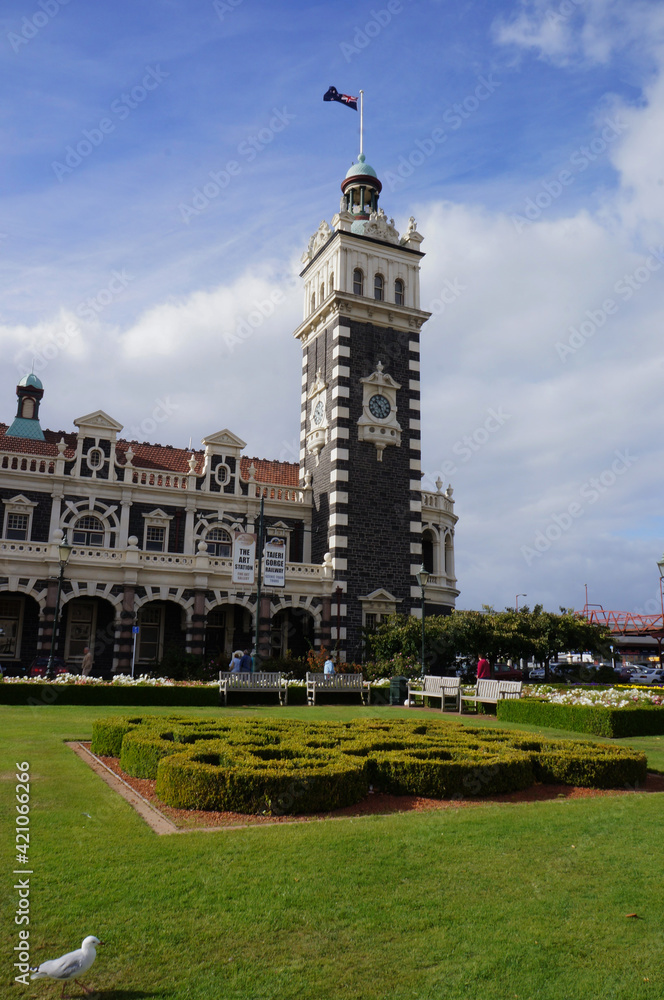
{"type": "Point", "coordinates": [333, 95]}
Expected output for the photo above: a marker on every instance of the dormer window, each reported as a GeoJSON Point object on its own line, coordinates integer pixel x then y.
{"type": "Point", "coordinates": [398, 292]}
{"type": "Point", "coordinates": [358, 282]}
{"type": "Point", "coordinates": [95, 459]}
{"type": "Point", "coordinates": [379, 286]}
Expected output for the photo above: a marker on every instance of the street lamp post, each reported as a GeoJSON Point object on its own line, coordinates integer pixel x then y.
{"type": "Point", "coordinates": [660, 566]}
{"type": "Point", "coordinates": [64, 552]}
{"type": "Point", "coordinates": [422, 578]}
{"type": "Point", "coordinates": [516, 603]}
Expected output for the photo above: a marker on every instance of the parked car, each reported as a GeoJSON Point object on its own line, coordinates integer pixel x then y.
{"type": "Point", "coordinates": [648, 675]}
{"type": "Point", "coordinates": [537, 674]}
{"type": "Point", "coordinates": [502, 672]}
{"type": "Point", "coordinates": [39, 666]}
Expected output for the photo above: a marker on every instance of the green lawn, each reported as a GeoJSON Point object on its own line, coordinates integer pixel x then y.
{"type": "Point", "coordinates": [490, 903]}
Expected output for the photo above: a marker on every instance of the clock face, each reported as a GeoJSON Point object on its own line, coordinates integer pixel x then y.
{"type": "Point", "coordinates": [319, 413]}
{"type": "Point", "coordinates": [379, 407]}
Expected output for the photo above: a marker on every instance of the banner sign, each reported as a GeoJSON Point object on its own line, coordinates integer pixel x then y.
{"type": "Point", "coordinates": [244, 554]}
{"type": "Point", "coordinates": [274, 563]}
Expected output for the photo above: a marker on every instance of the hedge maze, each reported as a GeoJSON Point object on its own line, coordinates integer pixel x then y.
{"type": "Point", "coordinates": [287, 766]}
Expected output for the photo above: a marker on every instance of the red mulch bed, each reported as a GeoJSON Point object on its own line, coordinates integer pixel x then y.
{"type": "Point", "coordinates": [374, 803]}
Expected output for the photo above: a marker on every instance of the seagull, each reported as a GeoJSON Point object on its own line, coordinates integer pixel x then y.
{"type": "Point", "coordinates": [73, 964]}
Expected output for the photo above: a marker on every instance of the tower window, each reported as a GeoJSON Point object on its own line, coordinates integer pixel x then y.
{"type": "Point", "coordinates": [89, 530]}
{"type": "Point", "coordinates": [379, 285]}
{"type": "Point", "coordinates": [218, 543]}
{"type": "Point", "coordinates": [358, 282]}
{"type": "Point", "coordinates": [28, 410]}
{"type": "Point", "coordinates": [398, 292]}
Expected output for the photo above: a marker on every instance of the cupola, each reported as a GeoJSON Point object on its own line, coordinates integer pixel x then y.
{"type": "Point", "coordinates": [361, 189]}
{"type": "Point", "coordinates": [26, 422]}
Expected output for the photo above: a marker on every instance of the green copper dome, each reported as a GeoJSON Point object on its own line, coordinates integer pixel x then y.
{"type": "Point", "coordinates": [31, 380]}
{"type": "Point", "coordinates": [361, 167]}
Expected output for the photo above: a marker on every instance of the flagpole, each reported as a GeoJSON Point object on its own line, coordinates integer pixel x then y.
{"type": "Point", "coordinates": [361, 122]}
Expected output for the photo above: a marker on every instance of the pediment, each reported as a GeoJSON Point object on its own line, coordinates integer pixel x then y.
{"type": "Point", "coordinates": [224, 440]}
{"type": "Point", "coordinates": [381, 595]}
{"type": "Point", "coordinates": [20, 501]}
{"type": "Point", "coordinates": [98, 421]}
{"type": "Point", "coordinates": [159, 515]}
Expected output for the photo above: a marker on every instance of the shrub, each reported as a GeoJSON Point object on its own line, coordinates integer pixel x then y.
{"type": "Point", "coordinates": [259, 765]}
{"type": "Point", "coordinates": [601, 720]}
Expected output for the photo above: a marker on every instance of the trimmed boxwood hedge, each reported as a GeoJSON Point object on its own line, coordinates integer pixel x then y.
{"type": "Point", "coordinates": [637, 720]}
{"type": "Point", "coordinates": [282, 765]}
{"type": "Point", "coordinates": [97, 694]}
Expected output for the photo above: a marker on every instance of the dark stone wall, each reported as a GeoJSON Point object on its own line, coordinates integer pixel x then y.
{"type": "Point", "coordinates": [379, 516]}
{"type": "Point", "coordinates": [41, 514]}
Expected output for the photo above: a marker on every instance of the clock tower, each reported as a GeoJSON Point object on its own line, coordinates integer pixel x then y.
{"type": "Point", "coordinates": [360, 429]}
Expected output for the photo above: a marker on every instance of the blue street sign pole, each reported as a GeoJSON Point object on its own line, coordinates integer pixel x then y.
{"type": "Point", "coordinates": [135, 630]}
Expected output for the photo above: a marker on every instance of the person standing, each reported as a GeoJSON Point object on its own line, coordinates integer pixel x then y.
{"type": "Point", "coordinates": [328, 667]}
{"type": "Point", "coordinates": [246, 663]}
{"type": "Point", "coordinates": [483, 668]}
{"type": "Point", "coordinates": [86, 665]}
{"type": "Point", "coordinates": [236, 660]}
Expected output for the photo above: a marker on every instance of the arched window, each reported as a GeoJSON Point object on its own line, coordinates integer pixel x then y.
{"type": "Point", "coordinates": [379, 285]}
{"type": "Point", "coordinates": [358, 282]}
{"type": "Point", "coordinates": [218, 543]}
{"type": "Point", "coordinates": [88, 530]}
{"type": "Point", "coordinates": [428, 551]}
{"type": "Point", "coordinates": [398, 292]}
{"type": "Point", "coordinates": [28, 408]}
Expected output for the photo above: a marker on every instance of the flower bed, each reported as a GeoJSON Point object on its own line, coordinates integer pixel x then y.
{"type": "Point", "coordinates": [259, 765]}
{"type": "Point", "coordinates": [612, 712]}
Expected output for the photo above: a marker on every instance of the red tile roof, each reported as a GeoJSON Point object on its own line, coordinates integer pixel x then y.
{"type": "Point", "coordinates": [155, 456]}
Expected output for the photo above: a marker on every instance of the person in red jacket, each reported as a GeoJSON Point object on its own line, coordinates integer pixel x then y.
{"type": "Point", "coordinates": [483, 668]}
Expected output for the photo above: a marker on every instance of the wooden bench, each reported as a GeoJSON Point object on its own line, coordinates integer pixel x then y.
{"type": "Point", "coordinates": [346, 683]}
{"type": "Point", "coordinates": [435, 687]}
{"type": "Point", "coordinates": [260, 681]}
{"type": "Point", "coordinates": [491, 692]}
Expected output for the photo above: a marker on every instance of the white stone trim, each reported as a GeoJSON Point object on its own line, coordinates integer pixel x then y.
{"type": "Point", "coordinates": [339, 432]}
{"type": "Point", "coordinates": [338, 519]}
{"type": "Point", "coordinates": [340, 564]}
{"type": "Point", "coordinates": [414, 385]}
{"type": "Point", "coordinates": [341, 350]}
{"type": "Point", "coordinates": [340, 390]}
{"type": "Point", "coordinates": [414, 425]}
{"type": "Point", "coordinates": [415, 527]}
{"type": "Point", "coordinates": [339, 455]}
{"type": "Point", "coordinates": [338, 497]}
{"type": "Point", "coordinates": [341, 371]}
{"type": "Point", "coordinates": [416, 484]}
{"type": "Point", "coordinates": [416, 548]}
{"type": "Point", "coordinates": [413, 365]}
{"type": "Point", "coordinates": [414, 404]}
{"type": "Point", "coordinates": [340, 413]}
{"type": "Point", "coordinates": [341, 474]}
{"type": "Point", "coordinates": [416, 466]}
{"type": "Point", "coordinates": [338, 542]}
{"type": "Point", "coordinates": [416, 506]}
{"type": "Point", "coordinates": [414, 346]}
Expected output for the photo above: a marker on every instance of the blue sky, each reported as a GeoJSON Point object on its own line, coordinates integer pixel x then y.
{"type": "Point", "coordinates": [543, 203]}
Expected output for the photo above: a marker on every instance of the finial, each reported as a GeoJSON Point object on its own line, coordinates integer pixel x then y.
{"type": "Point", "coordinates": [379, 367]}
{"type": "Point", "coordinates": [439, 484]}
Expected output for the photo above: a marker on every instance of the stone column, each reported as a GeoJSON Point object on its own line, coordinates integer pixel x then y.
{"type": "Point", "coordinates": [124, 636]}
{"type": "Point", "coordinates": [197, 631]}
{"type": "Point", "coordinates": [324, 637]}
{"type": "Point", "coordinates": [46, 619]}
{"type": "Point", "coordinates": [264, 627]}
